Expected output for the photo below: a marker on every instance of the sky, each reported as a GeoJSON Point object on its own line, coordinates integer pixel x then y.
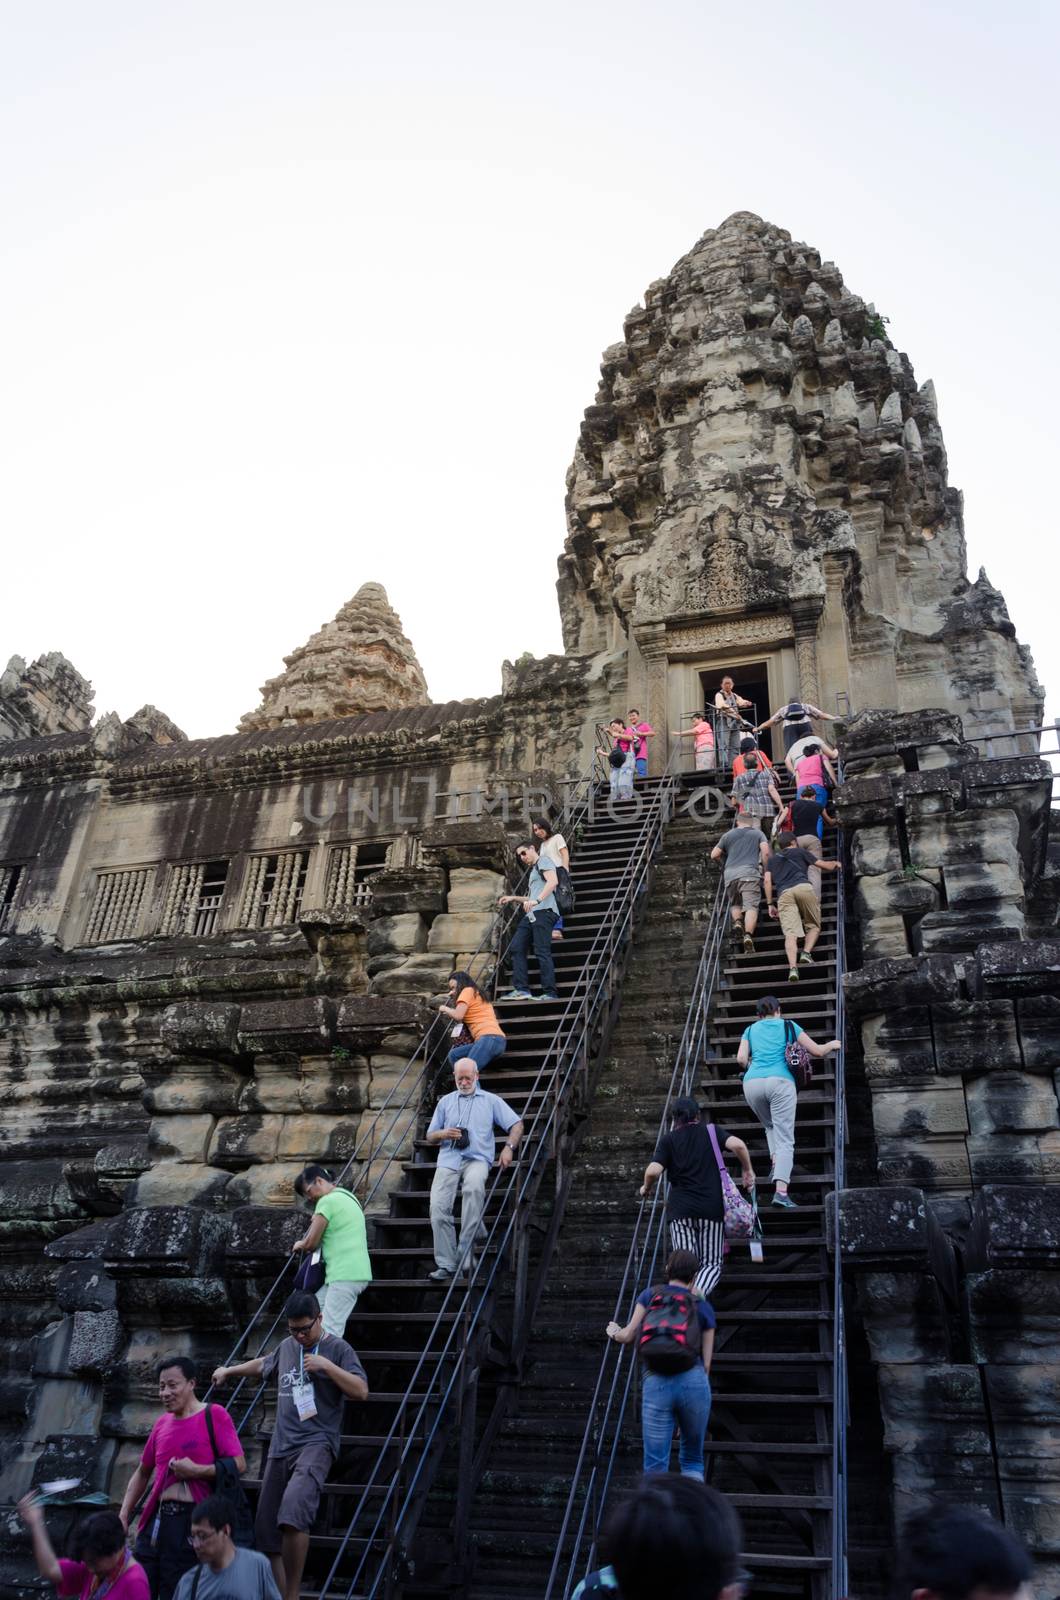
{"type": "Point", "coordinates": [299, 296]}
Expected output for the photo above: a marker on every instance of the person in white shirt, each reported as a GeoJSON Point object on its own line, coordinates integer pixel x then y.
{"type": "Point", "coordinates": [553, 845]}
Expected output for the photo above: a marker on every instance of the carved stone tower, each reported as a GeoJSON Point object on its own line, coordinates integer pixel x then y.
{"type": "Point", "coordinates": [761, 488]}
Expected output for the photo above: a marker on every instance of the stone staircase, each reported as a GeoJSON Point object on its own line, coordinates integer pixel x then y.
{"type": "Point", "coordinates": [770, 1438]}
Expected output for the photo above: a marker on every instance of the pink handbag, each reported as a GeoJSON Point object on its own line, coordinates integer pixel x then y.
{"type": "Point", "coordinates": [739, 1214]}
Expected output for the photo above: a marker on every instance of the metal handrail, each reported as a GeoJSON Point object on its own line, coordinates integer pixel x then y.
{"type": "Point", "coordinates": [559, 1066]}
{"type": "Point", "coordinates": [498, 938]}
{"type": "Point", "coordinates": [839, 1350]}
{"type": "Point", "coordinates": [591, 1480]}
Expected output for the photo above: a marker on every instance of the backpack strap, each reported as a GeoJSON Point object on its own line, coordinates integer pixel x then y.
{"type": "Point", "coordinates": [213, 1440]}
{"type": "Point", "coordinates": [196, 1581]}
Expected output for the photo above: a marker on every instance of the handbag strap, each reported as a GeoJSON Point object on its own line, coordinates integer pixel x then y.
{"type": "Point", "coordinates": [213, 1437]}
{"type": "Point", "coordinates": [719, 1158]}
{"type": "Point", "coordinates": [790, 1032]}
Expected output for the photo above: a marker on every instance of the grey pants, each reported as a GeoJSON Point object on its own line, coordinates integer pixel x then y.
{"type": "Point", "coordinates": [470, 1178]}
{"type": "Point", "coordinates": [773, 1101]}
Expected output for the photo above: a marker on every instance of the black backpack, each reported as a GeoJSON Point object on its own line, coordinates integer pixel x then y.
{"type": "Point", "coordinates": [564, 892]}
{"type": "Point", "coordinates": [670, 1340]}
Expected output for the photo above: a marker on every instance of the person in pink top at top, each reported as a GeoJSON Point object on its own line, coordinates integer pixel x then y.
{"type": "Point", "coordinates": [812, 768]}
{"type": "Point", "coordinates": [178, 1464]}
{"type": "Point", "coordinates": [104, 1569]}
{"type": "Point", "coordinates": [702, 735]}
{"type": "Point", "coordinates": [645, 731]}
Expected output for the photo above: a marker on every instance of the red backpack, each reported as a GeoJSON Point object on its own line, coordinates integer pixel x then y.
{"type": "Point", "coordinates": [670, 1339]}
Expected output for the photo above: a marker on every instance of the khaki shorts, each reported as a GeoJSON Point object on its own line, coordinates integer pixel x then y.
{"type": "Point", "coordinates": [799, 909]}
{"type": "Point", "coordinates": [747, 890]}
{"type": "Point", "coordinates": [290, 1494]}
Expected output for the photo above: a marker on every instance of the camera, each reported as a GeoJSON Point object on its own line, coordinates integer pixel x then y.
{"type": "Point", "coordinates": [462, 1142]}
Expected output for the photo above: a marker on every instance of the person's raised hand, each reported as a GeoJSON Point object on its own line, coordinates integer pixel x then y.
{"type": "Point", "coordinates": [219, 1375]}
{"type": "Point", "coordinates": [29, 1509]}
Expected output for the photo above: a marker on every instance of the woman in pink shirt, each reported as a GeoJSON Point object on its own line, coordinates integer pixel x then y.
{"type": "Point", "coordinates": [811, 768]}
{"type": "Point", "coordinates": [105, 1569]}
{"type": "Point", "coordinates": [702, 735]}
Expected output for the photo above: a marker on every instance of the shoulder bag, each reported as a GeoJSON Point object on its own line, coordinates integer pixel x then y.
{"type": "Point", "coordinates": [227, 1482]}
{"type": "Point", "coordinates": [797, 1057]}
{"type": "Point", "coordinates": [738, 1214]}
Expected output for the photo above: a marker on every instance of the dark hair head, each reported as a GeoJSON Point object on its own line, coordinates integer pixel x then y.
{"type": "Point", "coordinates": [728, 678]}
{"type": "Point", "coordinates": [953, 1550]}
{"type": "Point", "coordinates": [747, 743]}
{"type": "Point", "coordinates": [99, 1535]}
{"type": "Point", "coordinates": [682, 1265]}
{"type": "Point", "coordinates": [185, 1363]}
{"type": "Point", "coordinates": [546, 827]}
{"type": "Point", "coordinates": [684, 1110]}
{"type": "Point", "coordinates": [809, 793]}
{"type": "Point", "coordinates": [218, 1511]}
{"type": "Point", "coordinates": [616, 722]}
{"type": "Point", "coordinates": [674, 1536]}
{"type": "Point", "coordinates": [464, 980]}
{"type": "Point", "coordinates": [768, 1006]}
{"type": "Point", "coordinates": [309, 1175]}
{"type": "Point", "coordinates": [785, 840]}
{"type": "Point", "coordinates": [301, 1304]}
{"type": "Point", "coordinates": [633, 712]}
{"type": "Point", "coordinates": [810, 750]}
{"type": "Point", "coordinates": [527, 844]}
{"type": "Point", "coordinates": [699, 716]}
{"type": "Point", "coordinates": [751, 760]}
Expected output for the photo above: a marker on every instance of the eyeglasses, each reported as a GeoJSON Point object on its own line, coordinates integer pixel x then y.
{"type": "Point", "coordinates": [195, 1539]}
{"type": "Point", "coordinates": [306, 1328]}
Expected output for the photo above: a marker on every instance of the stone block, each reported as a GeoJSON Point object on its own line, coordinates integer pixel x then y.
{"type": "Point", "coordinates": [905, 1316]}
{"type": "Point", "coordinates": [186, 1090]}
{"type": "Point", "coordinates": [1049, 1151]}
{"type": "Point", "coordinates": [480, 842]}
{"type": "Point", "coordinates": [405, 889]}
{"type": "Point", "coordinates": [1014, 1226]}
{"type": "Point", "coordinates": [400, 935]}
{"type": "Point", "coordinates": [201, 1028]}
{"type": "Point", "coordinates": [897, 894]}
{"type": "Point", "coordinates": [964, 839]}
{"type": "Point", "coordinates": [875, 849]}
{"type": "Point", "coordinates": [311, 1138]}
{"type": "Point", "coordinates": [97, 1342]}
{"type": "Point", "coordinates": [966, 930]}
{"type": "Point", "coordinates": [241, 1141]}
{"type": "Point", "coordinates": [51, 1358]}
{"type": "Point", "coordinates": [1013, 1314]}
{"type": "Point", "coordinates": [971, 883]}
{"type": "Point", "coordinates": [298, 1025]}
{"type": "Point", "coordinates": [885, 986]}
{"type": "Point", "coordinates": [920, 1111]}
{"type": "Point", "coordinates": [465, 930]}
{"type": "Point", "coordinates": [975, 1036]}
{"type": "Point", "coordinates": [364, 1022]}
{"type": "Point", "coordinates": [1011, 1102]}
{"type": "Point", "coordinates": [84, 1286]}
{"type": "Point", "coordinates": [420, 974]}
{"type": "Point", "coordinates": [884, 938]}
{"type": "Point", "coordinates": [180, 1183]}
{"type": "Point", "coordinates": [169, 1239]}
{"type": "Point", "coordinates": [473, 889]}
{"type": "Point", "coordinates": [898, 1047]}
{"type": "Point", "coordinates": [270, 1183]}
{"type": "Point", "coordinates": [1038, 1022]}
{"type": "Point", "coordinates": [1019, 969]}
{"type": "Point", "coordinates": [200, 1303]}
{"type": "Point", "coordinates": [938, 1163]}
{"type": "Point", "coordinates": [1005, 1158]}
{"type": "Point", "coordinates": [262, 1235]}
{"type": "Point", "coordinates": [180, 1138]}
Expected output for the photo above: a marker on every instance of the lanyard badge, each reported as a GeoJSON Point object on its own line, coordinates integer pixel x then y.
{"type": "Point", "coordinates": [302, 1391]}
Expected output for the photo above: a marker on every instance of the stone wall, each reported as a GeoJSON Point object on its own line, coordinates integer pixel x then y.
{"type": "Point", "coordinates": [954, 1017]}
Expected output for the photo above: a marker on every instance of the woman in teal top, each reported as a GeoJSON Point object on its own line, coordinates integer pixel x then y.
{"type": "Point", "coordinates": [769, 1086]}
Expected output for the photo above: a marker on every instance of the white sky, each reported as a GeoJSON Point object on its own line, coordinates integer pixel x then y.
{"type": "Point", "coordinates": [297, 296]}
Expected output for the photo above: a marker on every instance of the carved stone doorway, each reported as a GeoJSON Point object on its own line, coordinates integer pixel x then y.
{"type": "Point", "coordinates": [766, 677]}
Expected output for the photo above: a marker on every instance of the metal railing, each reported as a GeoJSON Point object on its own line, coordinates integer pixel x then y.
{"type": "Point", "coordinates": [452, 1344]}
{"type": "Point", "coordinates": [591, 1480]}
{"type": "Point", "coordinates": [840, 1398]}
{"type": "Point", "coordinates": [404, 1098]}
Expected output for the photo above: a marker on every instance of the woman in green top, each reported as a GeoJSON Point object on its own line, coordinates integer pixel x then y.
{"type": "Point", "coordinates": [338, 1231]}
{"type": "Point", "coordinates": [769, 1086]}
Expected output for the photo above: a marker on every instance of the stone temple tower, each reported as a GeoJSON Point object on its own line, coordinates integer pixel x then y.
{"type": "Point", "coordinates": [761, 487]}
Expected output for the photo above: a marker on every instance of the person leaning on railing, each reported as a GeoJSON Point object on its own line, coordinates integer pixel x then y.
{"type": "Point", "coordinates": [468, 1008]}
{"type": "Point", "coordinates": [338, 1230]}
{"type": "Point", "coordinates": [770, 1089]}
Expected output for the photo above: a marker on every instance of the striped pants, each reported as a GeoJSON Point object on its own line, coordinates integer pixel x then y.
{"type": "Point", "coordinates": [706, 1240]}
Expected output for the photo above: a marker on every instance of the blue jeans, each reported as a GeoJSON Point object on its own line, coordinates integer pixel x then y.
{"type": "Point", "coordinates": [642, 766]}
{"type": "Point", "coordinates": [540, 932]}
{"type": "Point", "coordinates": [682, 1399]}
{"type": "Point", "coordinates": [482, 1052]}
